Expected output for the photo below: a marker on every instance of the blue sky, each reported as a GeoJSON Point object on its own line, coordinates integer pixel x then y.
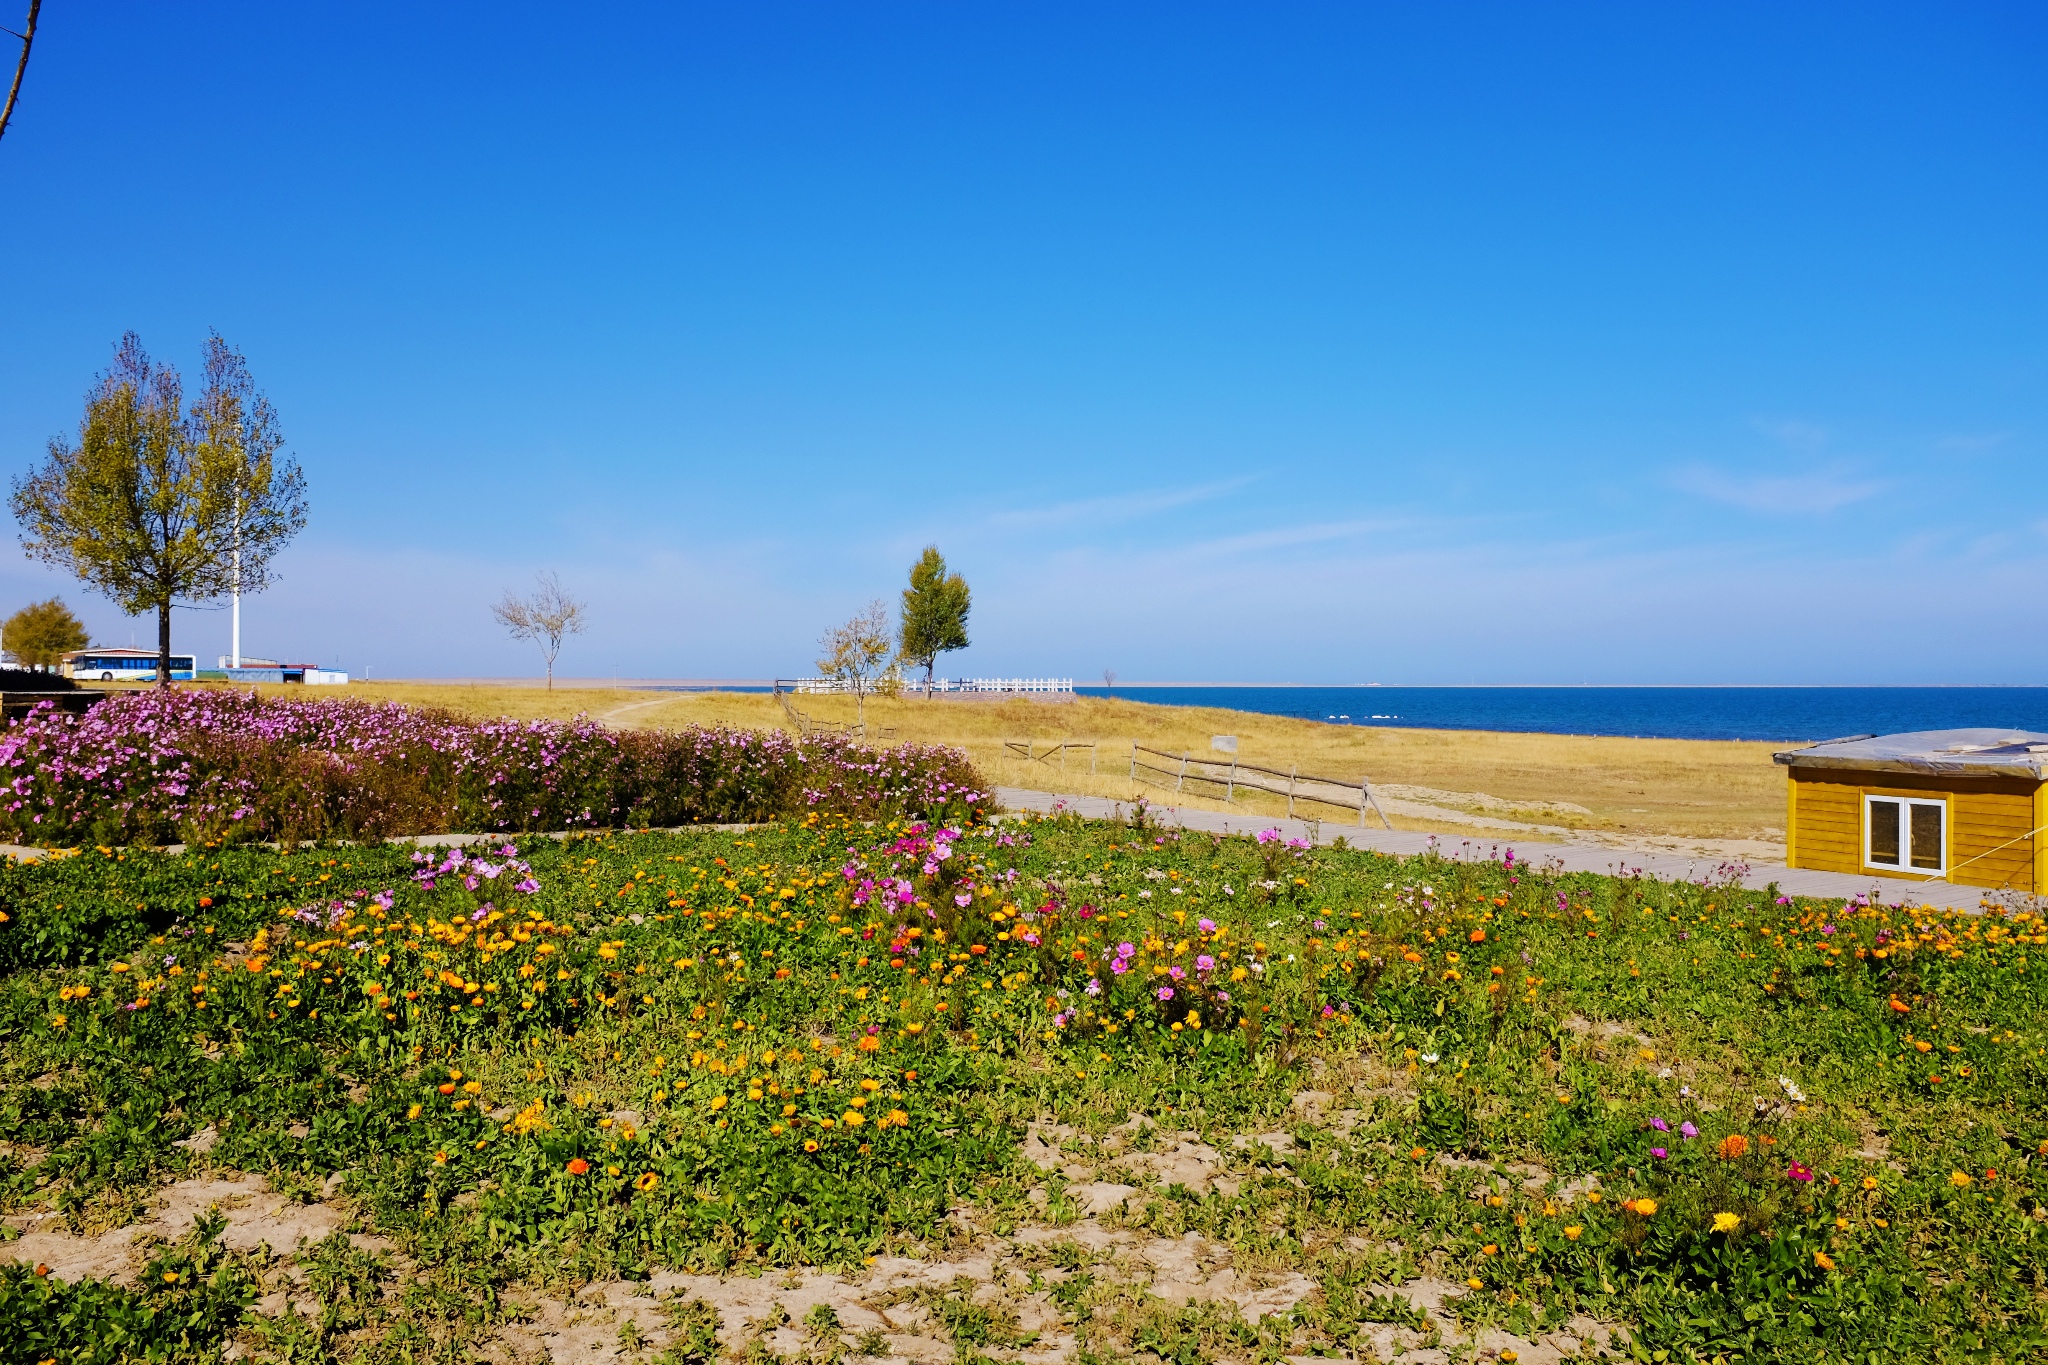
{"type": "Point", "coordinates": [1425, 344]}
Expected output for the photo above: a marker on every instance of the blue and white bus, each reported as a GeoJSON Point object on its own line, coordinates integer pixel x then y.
{"type": "Point", "coordinates": [123, 665]}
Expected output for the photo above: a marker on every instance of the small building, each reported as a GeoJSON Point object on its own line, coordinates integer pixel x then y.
{"type": "Point", "coordinates": [113, 664]}
{"type": "Point", "coordinates": [253, 670]}
{"type": "Point", "coordinates": [1962, 806]}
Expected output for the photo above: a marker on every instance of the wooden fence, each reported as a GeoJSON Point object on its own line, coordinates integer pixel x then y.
{"type": "Point", "coordinates": [1234, 776]}
{"type": "Point", "coordinates": [806, 725]}
{"type": "Point", "coordinates": [1029, 751]}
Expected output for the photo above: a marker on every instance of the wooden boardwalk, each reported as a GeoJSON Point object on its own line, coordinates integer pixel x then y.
{"type": "Point", "coordinates": [1674, 867]}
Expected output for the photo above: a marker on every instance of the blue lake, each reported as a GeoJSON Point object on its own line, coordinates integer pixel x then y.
{"type": "Point", "coordinates": [1765, 713]}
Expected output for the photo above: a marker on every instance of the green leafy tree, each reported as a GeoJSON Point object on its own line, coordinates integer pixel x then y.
{"type": "Point", "coordinates": [41, 633]}
{"type": "Point", "coordinates": [158, 507]}
{"type": "Point", "coordinates": [934, 614]}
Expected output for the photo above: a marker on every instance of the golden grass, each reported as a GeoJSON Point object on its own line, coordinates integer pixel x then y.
{"type": "Point", "coordinates": [1628, 789]}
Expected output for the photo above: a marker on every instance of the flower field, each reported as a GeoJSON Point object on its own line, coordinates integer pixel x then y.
{"type": "Point", "coordinates": [1718, 1124]}
{"type": "Point", "coordinates": [220, 766]}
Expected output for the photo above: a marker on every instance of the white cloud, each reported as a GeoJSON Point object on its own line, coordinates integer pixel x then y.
{"type": "Point", "coordinates": [1794, 433]}
{"type": "Point", "coordinates": [1777, 494]}
{"type": "Point", "coordinates": [1114, 508]}
{"type": "Point", "coordinates": [1970, 443]}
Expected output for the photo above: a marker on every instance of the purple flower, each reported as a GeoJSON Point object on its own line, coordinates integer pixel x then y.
{"type": "Point", "coordinates": [1119, 966]}
{"type": "Point", "coordinates": [1803, 1174]}
{"type": "Point", "coordinates": [1205, 963]}
{"type": "Point", "coordinates": [1207, 926]}
{"type": "Point", "coordinates": [1094, 986]}
{"type": "Point", "coordinates": [1165, 992]}
{"type": "Point", "coordinates": [1687, 1131]}
{"type": "Point", "coordinates": [1659, 1153]}
{"type": "Point", "coordinates": [1660, 1125]}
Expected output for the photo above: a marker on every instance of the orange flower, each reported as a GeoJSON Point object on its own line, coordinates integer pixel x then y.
{"type": "Point", "coordinates": [1733, 1147]}
{"type": "Point", "coordinates": [579, 1166]}
{"type": "Point", "coordinates": [1478, 936]}
{"type": "Point", "coordinates": [869, 1043]}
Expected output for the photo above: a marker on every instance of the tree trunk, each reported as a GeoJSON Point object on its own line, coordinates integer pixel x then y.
{"type": "Point", "coordinates": [163, 643]}
{"type": "Point", "coordinates": [929, 664]}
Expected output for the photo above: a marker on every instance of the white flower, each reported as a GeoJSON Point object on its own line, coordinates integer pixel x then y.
{"type": "Point", "coordinates": [1429, 1057]}
{"type": "Point", "coordinates": [1798, 1095]}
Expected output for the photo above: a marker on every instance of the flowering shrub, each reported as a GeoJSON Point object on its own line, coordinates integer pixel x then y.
{"type": "Point", "coordinates": [219, 766]}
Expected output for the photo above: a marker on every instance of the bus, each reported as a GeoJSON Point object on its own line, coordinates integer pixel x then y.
{"type": "Point", "coordinates": [123, 665]}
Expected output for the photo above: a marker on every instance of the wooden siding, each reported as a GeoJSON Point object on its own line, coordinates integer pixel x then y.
{"type": "Point", "coordinates": [1824, 813]}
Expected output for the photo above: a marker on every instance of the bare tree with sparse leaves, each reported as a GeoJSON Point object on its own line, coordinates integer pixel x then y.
{"type": "Point", "coordinates": [546, 618]}
{"type": "Point", "coordinates": [857, 654]}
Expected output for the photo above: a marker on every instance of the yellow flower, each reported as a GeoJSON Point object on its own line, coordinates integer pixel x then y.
{"type": "Point", "coordinates": [170, 1277]}
{"type": "Point", "coordinates": [852, 1118]}
{"type": "Point", "coordinates": [1726, 1222]}
{"type": "Point", "coordinates": [810, 1144]}
{"type": "Point", "coordinates": [1869, 1182]}
{"type": "Point", "coordinates": [59, 1020]}
{"type": "Point", "coordinates": [1821, 1259]}
{"type": "Point", "coordinates": [1643, 1207]}
{"type": "Point", "coordinates": [717, 1102]}
{"type": "Point", "coordinates": [413, 1112]}
{"type": "Point", "coordinates": [647, 1182]}
{"type": "Point", "coordinates": [1571, 1234]}
{"type": "Point", "coordinates": [1474, 1284]}
{"type": "Point", "coordinates": [1961, 1179]}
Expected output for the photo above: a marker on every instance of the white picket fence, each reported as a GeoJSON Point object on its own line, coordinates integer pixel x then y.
{"type": "Point", "coordinates": [831, 686]}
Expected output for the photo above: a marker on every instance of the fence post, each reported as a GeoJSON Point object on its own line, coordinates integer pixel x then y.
{"type": "Point", "coordinates": [1230, 787]}
{"type": "Point", "coordinates": [1295, 772]}
{"type": "Point", "coordinates": [1091, 758]}
{"type": "Point", "coordinates": [1134, 760]}
{"type": "Point", "coordinates": [1361, 802]}
{"type": "Point", "coordinates": [1181, 778]}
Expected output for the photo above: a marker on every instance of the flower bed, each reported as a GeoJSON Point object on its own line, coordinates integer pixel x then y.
{"type": "Point", "coordinates": [1725, 1123]}
{"type": "Point", "coordinates": [208, 766]}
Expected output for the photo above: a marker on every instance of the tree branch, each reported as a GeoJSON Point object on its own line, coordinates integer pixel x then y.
{"type": "Point", "coordinates": [28, 40]}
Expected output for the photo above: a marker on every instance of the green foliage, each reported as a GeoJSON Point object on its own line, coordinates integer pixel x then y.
{"type": "Point", "coordinates": [934, 615]}
{"type": "Point", "coordinates": [732, 1052]}
{"type": "Point", "coordinates": [188, 1297]}
{"type": "Point", "coordinates": [42, 632]}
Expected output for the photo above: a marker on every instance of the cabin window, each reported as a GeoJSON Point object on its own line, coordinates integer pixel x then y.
{"type": "Point", "coordinates": [1905, 833]}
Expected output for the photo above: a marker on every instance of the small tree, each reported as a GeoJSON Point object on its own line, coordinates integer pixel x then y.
{"type": "Point", "coordinates": [1109, 680]}
{"type": "Point", "coordinates": [153, 505]}
{"type": "Point", "coordinates": [41, 633]}
{"type": "Point", "coordinates": [934, 614]}
{"type": "Point", "coordinates": [857, 654]}
{"type": "Point", "coordinates": [547, 618]}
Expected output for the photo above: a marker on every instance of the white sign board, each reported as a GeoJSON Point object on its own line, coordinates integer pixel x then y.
{"type": "Point", "coordinates": [1226, 743]}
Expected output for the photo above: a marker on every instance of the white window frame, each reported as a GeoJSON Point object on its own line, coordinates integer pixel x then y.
{"type": "Point", "coordinates": [1904, 867]}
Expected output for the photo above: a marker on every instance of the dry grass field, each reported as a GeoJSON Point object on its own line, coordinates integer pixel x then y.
{"type": "Point", "coordinates": [1723, 798]}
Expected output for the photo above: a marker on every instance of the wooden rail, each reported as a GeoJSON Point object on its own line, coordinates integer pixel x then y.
{"type": "Point", "coordinates": [1027, 749]}
{"type": "Point", "coordinates": [1293, 784]}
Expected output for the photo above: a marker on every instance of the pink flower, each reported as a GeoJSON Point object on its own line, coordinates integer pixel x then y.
{"type": "Point", "coordinates": [1165, 992]}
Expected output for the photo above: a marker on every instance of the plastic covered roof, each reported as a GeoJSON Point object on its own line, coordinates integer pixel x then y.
{"type": "Point", "coordinates": [1990, 753]}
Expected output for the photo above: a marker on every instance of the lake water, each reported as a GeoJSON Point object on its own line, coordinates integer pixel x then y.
{"type": "Point", "coordinates": [1766, 713]}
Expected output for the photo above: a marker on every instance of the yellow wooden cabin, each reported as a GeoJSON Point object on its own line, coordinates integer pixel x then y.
{"type": "Point", "coordinates": [1962, 806]}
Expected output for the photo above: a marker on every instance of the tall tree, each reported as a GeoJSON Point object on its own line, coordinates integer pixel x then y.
{"type": "Point", "coordinates": [547, 618]}
{"type": "Point", "coordinates": [41, 633]}
{"type": "Point", "coordinates": [152, 505]}
{"type": "Point", "coordinates": [857, 654]}
{"type": "Point", "coordinates": [934, 614]}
